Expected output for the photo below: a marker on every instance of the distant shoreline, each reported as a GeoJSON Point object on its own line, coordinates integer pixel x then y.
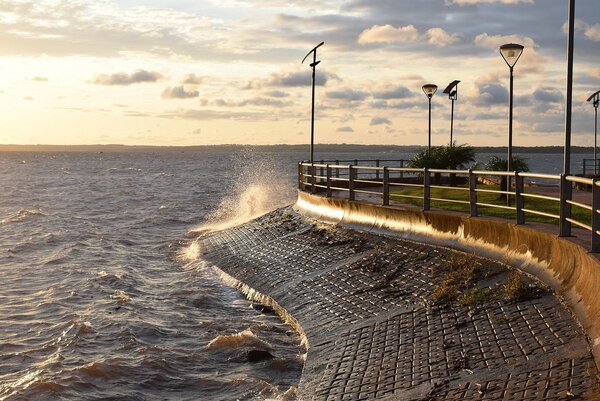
{"type": "Point", "coordinates": [347, 148]}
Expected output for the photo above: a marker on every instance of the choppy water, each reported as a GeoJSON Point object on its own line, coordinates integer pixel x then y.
{"type": "Point", "coordinates": [102, 295]}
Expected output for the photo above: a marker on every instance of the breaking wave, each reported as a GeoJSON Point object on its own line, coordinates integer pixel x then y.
{"type": "Point", "coordinates": [245, 338]}
{"type": "Point", "coordinates": [259, 189]}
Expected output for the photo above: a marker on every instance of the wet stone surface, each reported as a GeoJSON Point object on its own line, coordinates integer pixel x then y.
{"type": "Point", "coordinates": [392, 319]}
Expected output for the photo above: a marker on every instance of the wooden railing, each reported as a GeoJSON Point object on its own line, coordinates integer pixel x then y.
{"type": "Point", "coordinates": [382, 183]}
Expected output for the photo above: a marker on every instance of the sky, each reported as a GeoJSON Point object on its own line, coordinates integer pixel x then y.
{"type": "Point", "coordinates": [202, 72]}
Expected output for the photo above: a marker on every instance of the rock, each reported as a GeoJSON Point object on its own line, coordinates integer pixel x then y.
{"type": "Point", "coordinates": [263, 308]}
{"type": "Point", "coordinates": [256, 355]}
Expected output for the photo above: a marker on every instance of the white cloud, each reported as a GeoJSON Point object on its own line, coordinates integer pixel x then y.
{"type": "Point", "coordinates": [530, 62]}
{"type": "Point", "coordinates": [192, 79]}
{"type": "Point", "coordinates": [495, 41]}
{"type": "Point", "coordinates": [348, 94]}
{"type": "Point", "coordinates": [388, 34]}
{"type": "Point", "coordinates": [440, 38]}
{"type": "Point", "coordinates": [406, 34]}
{"type": "Point", "coordinates": [122, 78]}
{"type": "Point", "coordinates": [380, 121]}
{"type": "Point", "coordinates": [592, 32]}
{"type": "Point", "coordinates": [178, 92]}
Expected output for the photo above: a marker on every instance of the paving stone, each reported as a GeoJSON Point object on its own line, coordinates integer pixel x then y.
{"type": "Point", "coordinates": [366, 305]}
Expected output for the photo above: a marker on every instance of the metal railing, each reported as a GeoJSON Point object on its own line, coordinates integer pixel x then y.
{"type": "Point", "coordinates": [385, 183]}
{"type": "Point", "coordinates": [590, 167]}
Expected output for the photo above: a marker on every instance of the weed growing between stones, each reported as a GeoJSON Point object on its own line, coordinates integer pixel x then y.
{"type": "Point", "coordinates": [477, 296]}
{"type": "Point", "coordinates": [460, 273]}
{"type": "Point", "coordinates": [518, 289]}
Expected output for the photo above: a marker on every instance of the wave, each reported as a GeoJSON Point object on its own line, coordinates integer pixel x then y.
{"type": "Point", "coordinates": [245, 338]}
{"type": "Point", "coordinates": [120, 296]}
{"type": "Point", "coordinates": [189, 253]}
{"type": "Point", "coordinates": [21, 215]}
{"type": "Point", "coordinates": [257, 190]}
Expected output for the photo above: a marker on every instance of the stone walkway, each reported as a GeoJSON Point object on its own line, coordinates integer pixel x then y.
{"type": "Point", "coordinates": [391, 319]}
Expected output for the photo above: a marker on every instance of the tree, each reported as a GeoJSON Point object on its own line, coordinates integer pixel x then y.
{"type": "Point", "coordinates": [497, 163]}
{"type": "Point", "coordinates": [444, 157]}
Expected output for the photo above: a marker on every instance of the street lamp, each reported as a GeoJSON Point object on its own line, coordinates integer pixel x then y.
{"type": "Point", "coordinates": [452, 92]}
{"type": "Point", "coordinates": [429, 90]}
{"type": "Point", "coordinates": [595, 99]}
{"type": "Point", "coordinates": [312, 118]}
{"type": "Point", "coordinates": [511, 53]}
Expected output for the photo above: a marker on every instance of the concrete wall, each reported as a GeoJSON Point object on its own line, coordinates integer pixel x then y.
{"type": "Point", "coordinates": [567, 267]}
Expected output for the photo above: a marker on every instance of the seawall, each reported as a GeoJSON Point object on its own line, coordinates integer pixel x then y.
{"type": "Point", "coordinates": [568, 268]}
{"type": "Point", "coordinates": [390, 318]}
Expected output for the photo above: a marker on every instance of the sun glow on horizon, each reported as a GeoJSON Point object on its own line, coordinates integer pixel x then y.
{"type": "Point", "coordinates": [200, 73]}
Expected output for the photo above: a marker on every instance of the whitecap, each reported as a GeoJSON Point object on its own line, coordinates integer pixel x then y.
{"type": "Point", "coordinates": [245, 338]}
{"type": "Point", "coordinates": [120, 296]}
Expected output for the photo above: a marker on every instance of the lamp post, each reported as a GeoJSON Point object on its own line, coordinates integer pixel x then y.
{"type": "Point", "coordinates": [312, 116]}
{"type": "Point", "coordinates": [429, 90]}
{"type": "Point", "coordinates": [452, 92]}
{"type": "Point", "coordinates": [595, 99]}
{"type": "Point", "coordinates": [511, 53]}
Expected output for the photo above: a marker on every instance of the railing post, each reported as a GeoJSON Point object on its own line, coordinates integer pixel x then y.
{"type": "Point", "coordinates": [328, 168]}
{"type": "Point", "coordinates": [386, 186]}
{"type": "Point", "coordinates": [566, 193]}
{"type": "Point", "coordinates": [313, 172]}
{"type": "Point", "coordinates": [321, 171]}
{"type": "Point", "coordinates": [401, 172]}
{"type": "Point", "coordinates": [351, 173]}
{"type": "Point", "coordinates": [519, 198]}
{"type": "Point", "coordinates": [472, 193]}
{"type": "Point", "coordinates": [426, 189]}
{"type": "Point", "coordinates": [595, 216]}
{"type": "Point", "coordinates": [377, 172]}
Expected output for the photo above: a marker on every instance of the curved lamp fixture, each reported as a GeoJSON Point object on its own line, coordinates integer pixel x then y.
{"type": "Point", "coordinates": [429, 90]}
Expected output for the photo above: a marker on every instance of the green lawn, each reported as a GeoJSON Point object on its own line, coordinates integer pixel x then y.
{"type": "Point", "coordinates": [542, 205]}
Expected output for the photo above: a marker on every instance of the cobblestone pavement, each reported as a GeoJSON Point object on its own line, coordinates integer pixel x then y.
{"type": "Point", "coordinates": [392, 319]}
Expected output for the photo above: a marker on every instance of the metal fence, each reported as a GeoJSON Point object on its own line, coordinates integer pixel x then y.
{"type": "Point", "coordinates": [590, 167]}
{"type": "Point", "coordinates": [384, 183]}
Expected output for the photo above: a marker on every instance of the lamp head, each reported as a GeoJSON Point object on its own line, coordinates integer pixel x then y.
{"type": "Point", "coordinates": [429, 90]}
{"type": "Point", "coordinates": [595, 99]}
{"type": "Point", "coordinates": [452, 90]}
{"type": "Point", "coordinates": [511, 52]}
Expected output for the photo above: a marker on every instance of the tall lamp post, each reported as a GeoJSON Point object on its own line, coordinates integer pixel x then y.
{"type": "Point", "coordinates": [312, 115]}
{"type": "Point", "coordinates": [429, 90]}
{"type": "Point", "coordinates": [452, 92]}
{"type": "Point", "coordinates": [595, 99]}
{"type": "Point", "coordinates": [511, 53]}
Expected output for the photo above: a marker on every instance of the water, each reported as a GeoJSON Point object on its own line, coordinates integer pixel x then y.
{"type": "Point", "coordinates": [102, 295]}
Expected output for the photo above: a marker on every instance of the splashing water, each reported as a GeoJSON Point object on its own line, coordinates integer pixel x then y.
{"type": "Point", "coordinates": [190, 253]}
{"type": "Point", "coordinates": [259, 189]}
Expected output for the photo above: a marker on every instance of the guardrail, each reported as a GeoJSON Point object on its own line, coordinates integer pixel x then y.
{"type": "Point", "coordinates": [402, 184]}
{"type": "Point", "coordinates": [590, 166]}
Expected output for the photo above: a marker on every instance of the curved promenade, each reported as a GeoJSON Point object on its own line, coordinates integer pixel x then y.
{"type": "Point", "coordinates": [389, 318]}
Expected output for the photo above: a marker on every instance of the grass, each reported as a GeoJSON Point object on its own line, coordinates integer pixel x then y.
{"type": "Point", "coordinates": [517, 289]}
{"type": "Point", "coordinates": [460, 272]}
{"type": "Point", "coordinates": [542, 205]}
{"type": "Point", "coordinates": [476, 296]}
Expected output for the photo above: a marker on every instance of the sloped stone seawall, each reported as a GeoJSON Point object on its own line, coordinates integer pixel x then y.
{"type": "Point", "coordinates": [386, 318]}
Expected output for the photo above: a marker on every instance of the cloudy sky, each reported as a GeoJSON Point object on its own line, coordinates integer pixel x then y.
{"type": "Point", "coordinates": [192, 72]}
